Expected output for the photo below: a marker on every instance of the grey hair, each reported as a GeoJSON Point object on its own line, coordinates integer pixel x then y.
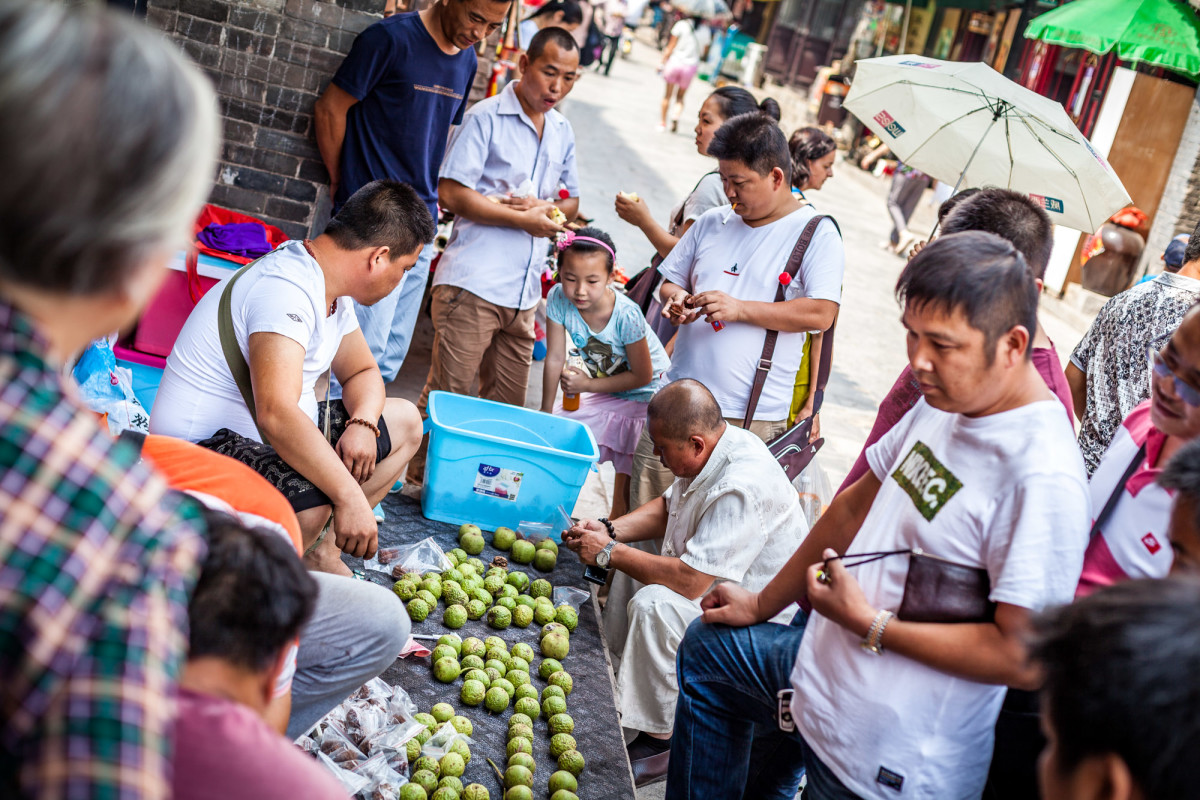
{"type": "Point", "coordinates": [107, 146]}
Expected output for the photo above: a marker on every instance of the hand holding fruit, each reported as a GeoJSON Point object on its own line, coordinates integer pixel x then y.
{"type": "Point", "coordinates": [715, 306]}
{"type": "Point", "coordinates": [586, 542]}
{"type": "Point", "coordinates": [633, 210]}
{"type": "Point", "coordinates": [675, 310]}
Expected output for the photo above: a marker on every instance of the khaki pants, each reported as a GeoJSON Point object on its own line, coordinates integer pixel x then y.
{"type": "Point", "coordinates": [472, 336]}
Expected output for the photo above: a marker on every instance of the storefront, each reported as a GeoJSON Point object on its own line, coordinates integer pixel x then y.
{"type": "Point", "coordinates": [807, 34]}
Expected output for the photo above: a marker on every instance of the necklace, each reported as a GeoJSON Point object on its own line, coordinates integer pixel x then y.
{"type": "Point", "coordinates": [308, 247]}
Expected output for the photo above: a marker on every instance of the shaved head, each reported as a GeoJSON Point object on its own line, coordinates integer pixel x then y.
{"type": "Point", "coordinates": [685, 408]}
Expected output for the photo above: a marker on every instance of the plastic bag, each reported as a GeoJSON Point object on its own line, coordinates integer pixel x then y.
{"type": "Point", "coordinates": [352, 783]}
{"type": "Point", "coordinates": [816, 492]}
{"type": "Point", "coordinates": [336, 745]}
{"type": "Point", "coordinates": [552, 528]}
{"type": "Point", "coordinates": [422, 556]}
{"type": "Point", "coordinates": [107, 389]}
{"type": "Point", "coordinates": [439, 744]}
{"type": "Point", "coordinates": [392, 743]}
{"type": "Point", "coordinates": [401, 708]}
{"type": "Point", "coordinates": [375, 691]}
{"type": "Point", "coordinates": [385, 782]}
{"type": "Point", "coordinates": [570, 596]}
{"type": "Point", "coordinates": [363, 720]}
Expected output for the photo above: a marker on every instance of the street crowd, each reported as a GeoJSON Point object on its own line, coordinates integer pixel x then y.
{"type": "Point", "coordinates": [174, 607]}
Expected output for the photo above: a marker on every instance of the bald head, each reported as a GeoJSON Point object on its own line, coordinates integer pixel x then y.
{"type": "Point", "coordinates": [685, 408]}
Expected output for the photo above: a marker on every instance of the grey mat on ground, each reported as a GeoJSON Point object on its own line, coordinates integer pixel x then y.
{"type": "Point", "coordinates": [591, 703]}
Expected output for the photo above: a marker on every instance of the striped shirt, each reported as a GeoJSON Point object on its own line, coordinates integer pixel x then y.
{"type": "Point", "coordinates": [96, 564]}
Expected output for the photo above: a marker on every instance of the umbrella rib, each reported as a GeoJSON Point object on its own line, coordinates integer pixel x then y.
{"type": "Point", "coordinates": [1066, 168]}
{"type": "Point", "coordinates": [945, 125]}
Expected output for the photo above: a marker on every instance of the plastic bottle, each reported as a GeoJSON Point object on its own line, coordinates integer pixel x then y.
{"type": "Point", "coordinates": [574, 361]}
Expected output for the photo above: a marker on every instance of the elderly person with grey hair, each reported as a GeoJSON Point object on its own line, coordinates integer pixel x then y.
{"type": "Point", "coordinates": [107, 149]}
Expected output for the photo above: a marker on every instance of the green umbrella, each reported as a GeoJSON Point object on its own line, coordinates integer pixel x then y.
{"type": "Point", "coordinates": [1165, 33]}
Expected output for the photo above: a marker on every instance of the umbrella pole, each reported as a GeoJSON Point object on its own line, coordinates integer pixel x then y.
{"type": "Point", "coordinates": [996, 115]}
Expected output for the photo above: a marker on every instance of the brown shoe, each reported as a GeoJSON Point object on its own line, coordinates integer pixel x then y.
{"type": "Point", "coordinates": [650, 769]}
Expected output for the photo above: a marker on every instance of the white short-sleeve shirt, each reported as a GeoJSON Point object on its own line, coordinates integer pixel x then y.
{"type": "Point", "coordinates": [283, 293]}
{"type": "Point", "coordinates": [496, 151]}
{"type": "Point", "coordinates": [1006, 493]}
{"type": "Point", "coordinates": [722, 252]}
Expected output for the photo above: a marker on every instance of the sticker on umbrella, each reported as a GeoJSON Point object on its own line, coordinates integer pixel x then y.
{"type": "Point", "coordinates": [1051, 204]}
{"type": "Point", "coordinates": [889, 124]}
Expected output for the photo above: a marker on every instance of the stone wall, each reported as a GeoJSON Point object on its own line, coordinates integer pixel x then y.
{"type": "Point", "coordinates": [269, 61]}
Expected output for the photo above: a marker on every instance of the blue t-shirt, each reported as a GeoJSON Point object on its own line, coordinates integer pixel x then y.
{"type": "Point", "coordinates": [604, 351]}
{"type": "Point", "coordinates": [409, 93]}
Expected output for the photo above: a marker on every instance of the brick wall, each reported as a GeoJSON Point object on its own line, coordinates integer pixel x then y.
{"type": "Point", "coordinates": [269, 61]}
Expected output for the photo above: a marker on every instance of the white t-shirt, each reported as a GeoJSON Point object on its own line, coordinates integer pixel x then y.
{"type": "Point", "coordinates": [1006, 493]}
{"type": "Point", "coordinates": [285, 294]}
{"type": "Point", "coordinates": [689, 42]}
{"type": "Point", "coordinates": [722, 252]}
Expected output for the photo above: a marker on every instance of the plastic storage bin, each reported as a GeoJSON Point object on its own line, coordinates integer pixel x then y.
{"type": "Point", "coordinates": [493, 464]}
{"type": "Point", "coordinates": [147, 373]}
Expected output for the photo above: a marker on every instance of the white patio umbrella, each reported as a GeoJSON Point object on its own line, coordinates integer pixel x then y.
{"type": "Point", "coordinates": [967, 125]}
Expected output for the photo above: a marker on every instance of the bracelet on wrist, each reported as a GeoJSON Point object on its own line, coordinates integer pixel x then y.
{"type": "Point", "coordinates": [873, 643]}
{"type": "Point", "coordinates": [365, 423]}
{"type": "Point", "coordinates": [612, 532]}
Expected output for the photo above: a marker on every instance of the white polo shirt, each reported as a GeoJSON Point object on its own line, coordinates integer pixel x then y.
{"type": "Point", "coordinates": [494, 152]}
{"type": "Point", "coordinates": [722, 252]}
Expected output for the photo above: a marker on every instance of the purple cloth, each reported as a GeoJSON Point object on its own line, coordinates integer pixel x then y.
{"type": "Point", "coordinates": [238, 238]}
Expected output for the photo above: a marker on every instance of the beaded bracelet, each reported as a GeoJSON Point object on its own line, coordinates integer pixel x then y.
{"type": "Point", "coordinates": [365, 424]}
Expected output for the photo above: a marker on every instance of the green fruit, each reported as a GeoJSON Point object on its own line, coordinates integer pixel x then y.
{"type": "Point", "coordinates": [428, 764]}
{"type": "Point", "coordinates": [562, 679]}
{"type": "Point", "coordinates": [473, 543]}
{"type": "Point", "coordinates": [464, 726]}
{"type": "Point", "coordinates": [460, 555]}
{"type": "Point", "coordinates": [520, 731]}
{"type": "Point", "coordinates": [426, 719]}
{"type": "Point", "coordinates": [519, 580]}
{"type": "Point", "coordinates": [554, 705]}
{"type": "Point", "coordinates": [517, 677]}
{"type": "Point", "coordinates": [544, 601]}
{"type": "Point", "coordinates": [405, 590]}
{"type": "Point", "coordinates": [496, 700]}
{"type": "Point", "coordinates": [492, 583]}
{"type": "Point", "coordinates": [565, 615]}
{"type": "Point", "coordinates": [472, 692]}
{"type": "Point", "coordinates": [522, 616]}
{"type": "Point", "coordinates": [476, 564]}
{"type": "Point", "coordinates": [483, 596]}
{"type": "Point", "coordinates": [543, 614]}
{"type": "Point", "coordinates": [508, 590]}
{"type": "Point", "coordinates": [519, 793]}
{"type": "Point", "coordinates": [563, 794]}
{"type": "Point", "coordinates": [472, 646]}
{"type": "Point", "coordinates": [499, 617]}
{"type": "Point", "coordinates": [559, 744]}
{"type": "Point", "coordinates": [516, 662]}
{"type": "Point", "coordinates": [465, 567]}
{"type": "Point", "coordinates": [443, 651]}
{"type": "Point", "coordinates": [418, 609]}
{"type": "Point", "coordinates": [507, 602]}
{"type": "Point", "coordinates": [426, 780]}
{"type": "Point", "coordinates": [561, 723]}
{"type": "Point", "coordinates": [556, 646]}
{"type": "Point", "coordinates": [548, 667]}
{"type": "Point", "coordinates": [433, 586]}
{"type": "Point", "coordinates": [453, 764]}
{"type": "Point", "coordinates": [545, 560]}
{"type": "Point", "coordinates": [519, 719]}
{"type": "Point", "coordinates": [519, 744]}
{"type": "Point", "coordinates": [472, 662]}
{"type": "Point", "coordinates": [476, 609]}
{"type": "Point", "coordinates": [426, 596]}
{"type": "Point", "coordinates": [553, 691]}
{"type": "Point", "coordinates": [412, 791]}
{"type": "Point", "coordinates": [506, 685]}
{"type": "Point", "coordinates": [523, 760]}
{"type": "Point", "coordinates": [493, 675]}
{"type": "Point", "coordinates": [447, 669]}
{"type": "Point", "coordinates": [476, 791]}
{"type": "Point", "coordinates": [413, 748]}
{"type": "Point", "coordinates": [442, 712]}
{"type": "Point", "coordinates": [500, 571]}
{"type": "Point", "coordinates": [422, 736]}
{"type": "Point", "coordinates": [468, 528]}
{"type": "Point", "coordinates": [454, 595]}
{"type": "Point", "coordinates": [452, 640]}
{"type": "Point", "coordinates": [572, 761]}
{"type": "Point", "coordinates": [529, 707]}
{"type": "Point", "coordinates": [527, 601]}
{"type": "Point", "coordinates": [548, 544]}
{"type": "Point", "coordinates": [522, 650]}
{"type": "Point", "coordinates": [563, 781]}
{"type": "Point", "coordinates": [452, 783]}
{"type": "Point", "coordinates": [555, 627]}
{"type": "Point", "coordinates": [478, 675]}
{"type": "Point", "coordinates": [454, 617]}
{"type": "Point", "coordinates": [460, 747]}
{"type": "Point", "coordinates": [452, 558]}
{"type": "Point", "coordinates": [503, 538]}
{"type": "Point", "coordinates": [540, 588]}
{"type": "Point", "coordinates": [517, 776]}
{"type": "Point", "coordinates": [498, 654]}
{"type": "Point", "coordinates": [526, 690]}
{"type": "Point", "coordinates": [522, 551]}
{"type": "Point", "coordinates": [452, 574]}
{"type": "Point", "coordinates": [494, 642]}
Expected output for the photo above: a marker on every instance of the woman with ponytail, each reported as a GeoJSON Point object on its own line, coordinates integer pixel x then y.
{"type": "Point", "coordinates": [565, 14]}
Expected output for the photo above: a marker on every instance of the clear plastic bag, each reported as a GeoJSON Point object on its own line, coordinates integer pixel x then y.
{"type": "Point", "coordinates": [422, 556]}
{"type": "Point", "coordinates": [570, 596]}
{"type": "Point", "coordinates": [401, 708]}
{"type": "Point", "coordinates": [392, 743]}
{"type": "Point", "coordinates": [816, 492]}
{"type": "Point", "coordinates": [352, 783]}
{"type": "Point", "coordinates": [364, 719]}
{"type": "Point", "coordinates": [552, 528]}
{"type": "Point", "coordinates": [375, 691]}
{"type": "Point", "coordinates": [439, 744]}
{"type": "Point", "coordinates": [337, 746]}
{"type": "Point", "coordinates": [385, 782]}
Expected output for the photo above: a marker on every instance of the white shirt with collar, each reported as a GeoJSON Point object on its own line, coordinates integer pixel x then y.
{"type": "Point", "coordinates": [738, 520]}
{"type": "Point", "coordinates": [495, 151]}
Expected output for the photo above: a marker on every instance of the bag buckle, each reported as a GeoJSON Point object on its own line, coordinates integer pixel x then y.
{"type": "Point", "coordinates": [764, 364]}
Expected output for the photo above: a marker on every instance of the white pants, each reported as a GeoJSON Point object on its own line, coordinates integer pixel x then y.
{"type": "Point", "coordinates": [620, 592]}
{"type": "Point", "coordinates": [646, 684]}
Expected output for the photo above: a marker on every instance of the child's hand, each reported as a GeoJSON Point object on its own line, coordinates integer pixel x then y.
{"type": "Point", "coordinates": [573, 381]}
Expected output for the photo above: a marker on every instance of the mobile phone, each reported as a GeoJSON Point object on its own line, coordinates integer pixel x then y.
{"type": "Point", "coordinates": [784, 714]}
{"type": "Point", "coordinates": [596, 575]}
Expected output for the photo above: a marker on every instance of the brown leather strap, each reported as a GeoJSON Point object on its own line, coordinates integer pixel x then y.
{"type": "Point", "coordinates": [768, 351]}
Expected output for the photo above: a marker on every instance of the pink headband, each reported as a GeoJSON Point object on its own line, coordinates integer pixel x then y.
{"type": "Point", "coordinates": [569, 238]}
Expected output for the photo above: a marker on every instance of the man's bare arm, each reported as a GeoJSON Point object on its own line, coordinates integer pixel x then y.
{"type": "Point", "coordinates": [1077, 380]}
{"type": "Point", "coordinates": [329, 118]}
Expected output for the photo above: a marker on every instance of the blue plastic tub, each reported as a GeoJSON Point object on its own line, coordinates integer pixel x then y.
{"type": "Point", "coordinates": [493, 464]}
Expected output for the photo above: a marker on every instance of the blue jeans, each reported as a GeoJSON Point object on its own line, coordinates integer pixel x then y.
{"type": "Point", "coordinates": [388, 325]}
{"type": "Point", "coordinates": [727, 741]}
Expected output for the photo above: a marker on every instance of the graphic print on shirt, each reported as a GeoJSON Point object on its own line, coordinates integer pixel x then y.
{"type": "Point", "coordinates": [600, 359]}
{"type": "Point", "coordinates": [926, 481]}
{"type": "Point", "coordinates": [294, 317]}
{"type": "Point", "coordinates": [733, 270]}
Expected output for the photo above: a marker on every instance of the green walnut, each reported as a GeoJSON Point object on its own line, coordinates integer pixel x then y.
{"type": "Point", "coordinates": [442, 712]}
{"type": "Point", "coordinates": [508, 590]}
{"type": "Point", "coordinates": [464, 726]}
{"type": "Point", "coordinates": [460, 555]}
{"type": "Point", "coordinates": [454, 617]}
{"type": "Point", "coordinates": [519, 744]}
{"type": "Point", "coordinates": [472, 646]}
{"type": "Point", "coordinates": [522, 551]}
{"type": "Point", "coordinates": [506, 602]}
{"type": "Point", "coordinates": [494, 642]}
{"type": "Point", "coordinates": [518, 663]}
{"type": "Point", "coordinates": [567, 616]}
{"type": "Point", "coordinates": [526, 690]}
{"type": "Point", "coordinates": [425, 719]}
{"type": "Point", "coordinates": [563, 781]}
{"type": "Point", "coordinates": [454, 594]}
{"type": "Point", "coordinates": [413, 748]}
{"type": "Point", "coordinates": [517, 776]}
{"type": "Point", "coordinates": [472, 692]}
{"type": "Point", "coordinates": [556, 645]}
{"type": "Point", "coordinates": [476, 791]}
{"type": "Point", "coordinates": [520, 731]}
{"type": "Point", "coordinates": [553, 705]}
{"type": "Point", "coordinates": [543, 614]}
{"type": "Point", "coordinates": [522, 616]}
{"type": "Point", "coordinates": [519, 793]}
{"type": "Point", "coordinates": [545, 560]}
{"type": "Point", "coordinates": [453, 574]}
{"type": "Point", "coordinates": [503, 538]}
{"type": "Point", "coordinates": [476, 564]}
{"type": "Point", "coordinates": [473, 543]}
{"type": "Point", "coordinates": [518, 677]}
{"type": "Point", "coordinates": [413, 791]}
{"type": "Point", "coordinates": [559, 744]}
{"type": "Point", "coordinates": [493, 675]}
{"type": "Point", "coordinates": [482, 595]}
{"type": "Point", "coordinates": [443, 651]}
{"type": "Point", "coordinates": [547, 544]}
{"type": "Point", "coordinates": [563, 794]}
{"type": "Point", "coordinates": [433, 586]}
{"type": "Point", "coordinates": [544, 601]}
{"type": "Point", "coordinates": [492, 583]}
{"type": "Point", "coordinates": [496, 700]}
{"type": "Point", "coordinates": [496, 570]}
{"type": "Point", "coordinates": [429, 764]}
{"type": "Point", "coordinates": [553, 691]}
{"type": "Point", "coordinates": [478, 675]}
{"type": "Point", "coordinates": [527, 601]}
{"type": "Point", "coordinates": [465, 529]}
{"type": "Point", "coordinates": [499, 617]}
{"type": "Point", "coordinates": [405, 590]}
{"type": "Point", "coordinates": [505, 684]}
{"type": "Point", "coordinates": [426, 780]}
{"type": "Point", "coordinates": [555, 627]}
{"type": "Point", "coordinates": [453, 764]}
{"type": "Point", "coordinates": [418, 609]}
{"type": "Point", "coordinates": [452, 785]}
{"type": "Point", "coordinates": [422, 736]}
{"type": "Point", "coordinates": [447, 669]}
{"type": "Point", "coordinates": [529, 707]}
{"type": "Point", "coordinates": [563, 680]}
{"type": "Point", "coordinates": [519, 719]}
{"type": "Point", "coordinates": [460, 747]}
{"type": "Point", "coordinates": [451, 640]}
{"type": "Point", "coordinates": [497, 654]}
{"type": "Point", "coordinates": [523, 760]}
{"type": "Point", "coordinates": [540, 588]}
{"type": "Point", "coordinates": [426, 596]}
{"type": "Point", "coordinates": [476, 609]}
{"type": "Point", "coordinates": [518, 579]}
{"type": "Point", "coordinates": [548, 667]}
{"type": "Point", "coordinates": [571, 761]}
{"type": "Point", "coordinates": [472, 662]}
{"type": "Point", "coordinates": [522, 650]}
{"type": "Point", "coordinates": [561, 723]}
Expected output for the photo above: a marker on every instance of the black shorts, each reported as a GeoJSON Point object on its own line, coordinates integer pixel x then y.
{"type": "Point", "coordinates": [262, 458]}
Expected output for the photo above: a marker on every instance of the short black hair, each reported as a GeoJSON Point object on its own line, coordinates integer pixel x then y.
{"type": "Point", "coordinates": [577, 246]}
{"type": "Point", "coordinates": [1192, 251]}
{"type": "Point", "coordinates": [953, 200]}
{"type": "Point", "coordinates": [1182, 476]}
{"type": "Point", "coordinates": [1010, 215]}
{"type": "Point", "coordinates": [733, 101]}
{"type": "Point", "coordinates": [1120, 671]}
{"type": "Point", "coordinates": [553, 34]}
{"type": "Point", "coordinates": [383, 213]}
{"type": "Point", "coordinates": [684, 407]}
{"type": "Point", "coordinates": [808, 144]}
{"type": "Point", "coordinates": [253, 596]}
{"type": "Point", "coordinates": [571, 10]}
{"type": "Point", "coordinates": [978, 273]}
{"type": "Point", "coordinates": [755, 140]}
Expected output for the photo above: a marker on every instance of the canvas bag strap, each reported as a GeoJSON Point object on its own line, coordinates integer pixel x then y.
{"type": "Point", "coordinates": [679, 215]}
{"type": "Point", "coordinates": [768, 351]}
{"type": "Point", "coordinates": [233, 354]}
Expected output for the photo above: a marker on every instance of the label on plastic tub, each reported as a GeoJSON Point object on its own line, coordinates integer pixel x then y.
{"type": "Point", "coordinates": [498, 482]}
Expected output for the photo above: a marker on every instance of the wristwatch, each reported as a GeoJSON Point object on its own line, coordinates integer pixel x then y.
{"type": "Point", "coordinates": [605, 555]}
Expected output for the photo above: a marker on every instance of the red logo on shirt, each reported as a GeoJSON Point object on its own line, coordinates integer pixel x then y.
{"type": "Point", "coordinates": [1151, 543]}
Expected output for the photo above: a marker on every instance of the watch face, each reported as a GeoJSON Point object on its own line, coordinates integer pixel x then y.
{"type": "Point", "coordinates": [602, 556]}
